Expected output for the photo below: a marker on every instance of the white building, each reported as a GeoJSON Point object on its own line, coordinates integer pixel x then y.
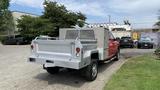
{"type": "Point", "coordinates": [116, 29]}
{"type": "Point", "coordinates": [112, 26]}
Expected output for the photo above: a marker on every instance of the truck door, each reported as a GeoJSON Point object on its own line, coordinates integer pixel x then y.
{"type": "Point", "coordinates": [112, 45]}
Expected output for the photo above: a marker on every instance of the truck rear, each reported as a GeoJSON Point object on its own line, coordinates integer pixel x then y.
{"type": "Point", "coordinates": [72, 52]}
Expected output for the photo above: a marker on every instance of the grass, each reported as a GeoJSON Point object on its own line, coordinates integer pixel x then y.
{"type": "Point", "coordinates": [141, 73]}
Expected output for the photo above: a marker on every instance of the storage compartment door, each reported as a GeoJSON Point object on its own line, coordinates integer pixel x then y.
{"type": "Point", "coordinates": [106, 43]}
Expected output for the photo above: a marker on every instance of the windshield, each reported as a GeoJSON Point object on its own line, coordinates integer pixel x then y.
{"type": "Point", "coordinates": [84, 34]}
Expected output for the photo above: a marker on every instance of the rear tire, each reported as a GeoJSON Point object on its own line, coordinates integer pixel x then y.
{"type": "Point", "coordinates": [91, 71]}
{"type": "Point", "coordinates": [52, 70]}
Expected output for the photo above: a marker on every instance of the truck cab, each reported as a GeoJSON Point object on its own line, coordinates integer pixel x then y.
{"type": "Point", "coordinates": [80, 49]}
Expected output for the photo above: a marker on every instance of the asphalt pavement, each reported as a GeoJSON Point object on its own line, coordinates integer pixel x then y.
{"type": "Point", "coordinates": [18, 74]}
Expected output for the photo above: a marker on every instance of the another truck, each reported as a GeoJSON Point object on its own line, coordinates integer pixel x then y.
{"type": "Point", "coordinates": [80, 49]}
{"type": "Point", "coordinates": [126, 42]}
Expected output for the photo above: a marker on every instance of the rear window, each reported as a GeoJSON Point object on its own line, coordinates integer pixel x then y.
{"type": "Point", "coordinates": [145, 39]}
{"type": "Point", "coordinates": [84, 34]}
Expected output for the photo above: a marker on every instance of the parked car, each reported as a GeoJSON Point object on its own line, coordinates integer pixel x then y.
{"type": "Point", "coordinates": [14, 40]}
{"type": "Point", "coordinates": [77, 50]}
{"type": "Point", "coordinates": [126, 42]}
{"type": "Point", "coordinates": [145, 42]}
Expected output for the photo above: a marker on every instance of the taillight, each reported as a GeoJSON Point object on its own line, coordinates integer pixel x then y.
{"type": "Point", "coordinates": [78, 49]}
{"type": "Point", "coordinates": [32, 46]}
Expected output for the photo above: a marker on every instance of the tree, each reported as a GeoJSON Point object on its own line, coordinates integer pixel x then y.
{"type": "Point", "coordinates": [60, 16]}
{"type": "Point", "coordinates": [82, 19]}
{"type": "Point", "coordinates": [126, 22]}
{"type": "Point", "coordinates": [6, 18]}
{"type": "Point", "coordinates": [4, 4]}
{"type": "Point", "coordinates": [55, 16]}
{"type": "Point", "coordinates": [7, 23]}
{"type": "Point", "coordinates": [158, 23]}
{"type": "Point", "coordinates": [30, 27]}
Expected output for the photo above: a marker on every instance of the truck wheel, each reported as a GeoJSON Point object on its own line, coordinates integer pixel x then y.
{"type": "Point", "coordinates": [91, 71]}
{"type": "Point", "coordinates": [117, 57]}
{"type": "Point", "coordinates": [52, 70]}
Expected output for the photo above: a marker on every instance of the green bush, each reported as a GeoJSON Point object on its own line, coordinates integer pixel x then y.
{"type": "Point", "coordinates": [157, 52]}
{"type": "Point", "coordinates": [2, 38]}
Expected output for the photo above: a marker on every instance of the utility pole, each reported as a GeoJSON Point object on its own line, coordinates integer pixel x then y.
{"type": "Point", "coordinates": [109, 19]}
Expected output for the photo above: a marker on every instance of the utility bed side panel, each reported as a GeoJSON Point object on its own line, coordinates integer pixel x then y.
{"type": "Point", "coordinates": [102, 36]}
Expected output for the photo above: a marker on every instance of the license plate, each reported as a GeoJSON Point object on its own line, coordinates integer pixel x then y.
{"type": "Point", "coordinates": [125, 40]}
{"type": "Point", "coordinates": [145, 45]}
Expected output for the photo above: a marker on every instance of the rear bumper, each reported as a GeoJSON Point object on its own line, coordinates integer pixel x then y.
{"type": "Point", "coordinates": [50, 62]}
{"type": "Point", "coordinates": [145, 45]}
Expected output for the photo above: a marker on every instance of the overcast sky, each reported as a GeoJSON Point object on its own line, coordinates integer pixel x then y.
{"type": "Point", "coordinates": [141, 13]}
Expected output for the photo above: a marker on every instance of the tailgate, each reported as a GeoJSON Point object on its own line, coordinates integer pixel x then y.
{"type": "Point", "coordinates": [58, 49]}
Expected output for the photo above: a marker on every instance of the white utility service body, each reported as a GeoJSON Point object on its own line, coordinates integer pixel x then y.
{"type": "Point", "coordinates": [75, 49]}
